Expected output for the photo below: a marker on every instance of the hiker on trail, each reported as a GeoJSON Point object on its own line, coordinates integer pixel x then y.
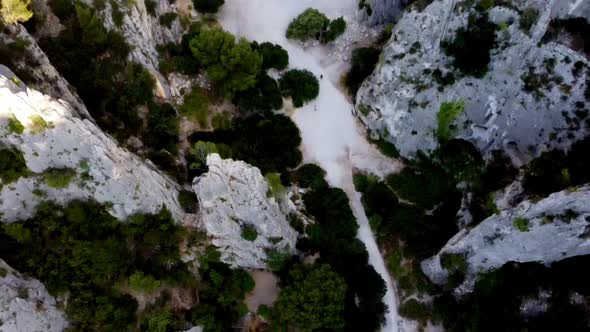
{"type": "Point", "coordinates": [321, 76]}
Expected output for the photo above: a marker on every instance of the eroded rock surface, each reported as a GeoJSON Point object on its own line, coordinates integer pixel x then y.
{"type": "Point", "coordinates": [25, 304]}
{"type": "Point", "coordinates": [233, 196]}
{"type": "Point", "coordinates": [401, 99]}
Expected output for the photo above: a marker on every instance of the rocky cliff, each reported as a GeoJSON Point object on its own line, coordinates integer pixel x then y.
{"type": "Point", "coordinates": [545, 231]}
{"type": "Point", "coordinates": [235, 197]}
{"type": "Point", "coordinates": [25, 304]}
{"type": "Point", "coordinates": [524, 104]}
{"type": "Point", "coordinates": [54, 138]}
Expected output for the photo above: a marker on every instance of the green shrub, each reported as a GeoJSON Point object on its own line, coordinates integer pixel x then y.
{"type": "Point", "coordinates": [196, 107]}
{"type": "Point", "coordinates": [167, 19]}
{"type": "Point", "coordinates": [335, 29]}
{"type": "Point", "coordinates": [446, 116]}
{"type": "Point", "coordinates": [264, 96]}
{"type": "Point", "coordinates": [528, 17]}
{"type": "Point", "coordinates": [141, 282]}
{"type": "Point", "coordinates": [249, 233]}
{"type": "Point", "coordinates": [364, 60]}
{"type": "Point", "coordinates": [522, 224]}
{"type": "Point", "coordinates": [150, 6]}
{"type": "Point", "coordinates": [188, 201]}
{"type": "Point", "coordinates": [472, 46]}
{"type": "Point", "coordinates": [116, 14]}
{"type": "Point", "coordinates": [276, 259]}
{"type": "Point", "coordinates": [58, 178]}
{"type": "Point", "coordinates": [38, 124]}
{"type": "Point", "coordinates": [12, 165]}
{"type": "Point", "coordinates": [17, 231]}
{"type": "Point", "coordinates": [275, 186]}
{"type": "Point", "coordinates": [308, 25]}
{"type": "Point", "coordinates": [301, 85]}
{"type": "Point", "coordinates": [453, 262]}
{"type": "Point", "coordinates": [208, 6]}
{"type": "Point", "coordinates": [162, 128]}
{"type": "Point", "coordinates": [14, 126]}
{"type": "Point", "coordinates": [415, 310]}
{"type": "Point", "coordinates": [3, 273]}
{"type": "Point", "coordinates": [273, 55]}
{"type": "Point", "coordinates": [310, 176]}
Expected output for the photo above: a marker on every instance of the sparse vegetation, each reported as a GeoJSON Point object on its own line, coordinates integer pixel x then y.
{"type": "Point", "coordinates": [522, 224]}
{"type": "Point", "coordinates": [38, 124]}
{"type": "Point", "coordinates": [14, 126]}
{"type": "Point", "coordinates": [196, 107]}
{"type": "Point", "coordinates": [58, 178]}
{"type": "Point", "coordinates": [12, 165]}
{"type": "Point", "coordinates": [168, 18]}
{"type": "Point", "coordinates": [528, 17]}
{"type": "Point", "coordinates": [446, 116]}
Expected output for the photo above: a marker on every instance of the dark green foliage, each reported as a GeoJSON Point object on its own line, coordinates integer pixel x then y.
{"type": "Point", "coordinates": [312, 299]}
{"type": "Point", "coordinates": [334, 236]}
{"type": "Point", "coordinates": [208, 6]}
{"type": "Point", "coordinates": [63, 9]}
{"type": "Point", "coordinates": [425, 184]}
{"type": "Point", "coordinates": [335, 29]}
{"type": "Point", "coordinates": [81, 249]}
{"type": "Point", "coordinates": [12, 165]}
{"type": "Point", "coordinates": [265, 96]}
{"type": "Point", "coordinates": [94, 61]}
{"type": "Point", "coordinates": [58, 178]}
{"type": "Point", "coordinates": [308, 25]}
{"type": "Point", "coordinates": [220, 297]}
{"type": "Point", "coordinates": [577, 29]}
{"type": "Point", "coordinates": [188, 201]}
{"type": "Point", "coordinates": [301, 85]}
{"type": "Point", "coordinates": [528, 17]}
{"type": "Point", "coordinates": [415, 310]}
{"type": "Point", "coordinates": [167, 19]}
{"type": "Point", "coordinates": [310, 176]}
{"type": "Point", "coordinates": [116, 14]}
{"type": "Point", "coordinates": [522, 224]}
{"type": "Point", "coordinates": [472, 46]}
{"type": "Point", "coordinates": [547, 173]}
{"type": "Point", "coordinates": [150, 7]}
{"type": "Point", "coordinates": [364, 60]}
{"type": "Point", "coordinates": [232, 66]}
{"type": "Point", "coordinates": [249, 233]}
{"type": "Point", "coordinates": [495, 303]}
{"type": "Point", "coordinates": [273, 55]}
{"type": "Point", "coordinates": [269, 142]}
{"type": "Point", "coordinates": [179, 57]}
{"type": "Point", "coordinates": [162, 128]}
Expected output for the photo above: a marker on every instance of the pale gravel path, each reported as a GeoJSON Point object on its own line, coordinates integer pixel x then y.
{"type": "Point", "coordinates": [331, 135]}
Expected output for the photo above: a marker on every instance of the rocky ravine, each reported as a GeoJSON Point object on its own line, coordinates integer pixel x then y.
{"type": "Point", "coordinates": [400, 100]}
{"type": "Point", "coordinates": [25, 304]}
{"type": "Point", "coordinates": [558, 228]}
{"type": "Point", "coordinates": [234, 195]}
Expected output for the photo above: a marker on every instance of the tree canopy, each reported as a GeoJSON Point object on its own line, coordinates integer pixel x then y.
{"type": "Point", "coordinates": [313, 300]}
{"type": "Point", "coordinates": [208, 6]}
{"type": "Point", "coordinates": [301, 85]}
{"type": "Point", "coordinates": [232, 65]}
{"type": "Point", "coordinates": [308, 25]}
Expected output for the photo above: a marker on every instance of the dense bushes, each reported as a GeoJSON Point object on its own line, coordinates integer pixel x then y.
{"type": "Point", "coordinates": [364, 61]}
{"type": "Point", "coordinates": [264, 96]}
{"type": "Point", "coordinates": [334, 237]}
{"type": "Point", "coordinates": [269, 142]}
{"type": "Point", "coordinates": [12, 165]}
{"type": "Point", "coordinates": [94, 61]}
{"type": "Point", "coordinates": [313, 299]}
{"type": "Point", "coordinates": [273, 55]}
{"type": "Point", "coordinates": [232, 66]}
{"type": "Point", "coordinates": [472, 46]}
{"type": "Point", "coordinates": [301, 85]}
{"type": "Point", "coordinates": [312, 24]}
{"type": "Point", "coordinates": [162, 128]}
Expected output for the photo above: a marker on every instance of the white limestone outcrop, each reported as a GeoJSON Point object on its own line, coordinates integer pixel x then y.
{"type": "Point", "coordinates": [401, 99]}
{"type": "Point", "coordinates": [558, 228]}
{"type": "Point", "coordinates": [234, 195]}
{"type": "Point", "coordinates": [25, 304]}
{"type": "Point", "coordinates": [106, 172]}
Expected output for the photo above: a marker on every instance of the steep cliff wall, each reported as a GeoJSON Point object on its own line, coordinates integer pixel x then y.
{"type": "Point", "coordinates": [401, 99]}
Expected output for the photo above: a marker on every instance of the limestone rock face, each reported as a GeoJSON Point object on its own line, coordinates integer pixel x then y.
{"type": "Point", "coordinates": [558, 227]}
{"type": "Point", "coordinates": [401, 99]}
{"type": "Point", "coordinates": [143, 32]}
{"type": "Point", "coordinates": [104, 171]}
{"type": "Point", "coordinates": [25, 304]}
{"type": "Point", "coordinates": [233, 196]}
{"type": "Point", "coordinates": [384, 11]}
